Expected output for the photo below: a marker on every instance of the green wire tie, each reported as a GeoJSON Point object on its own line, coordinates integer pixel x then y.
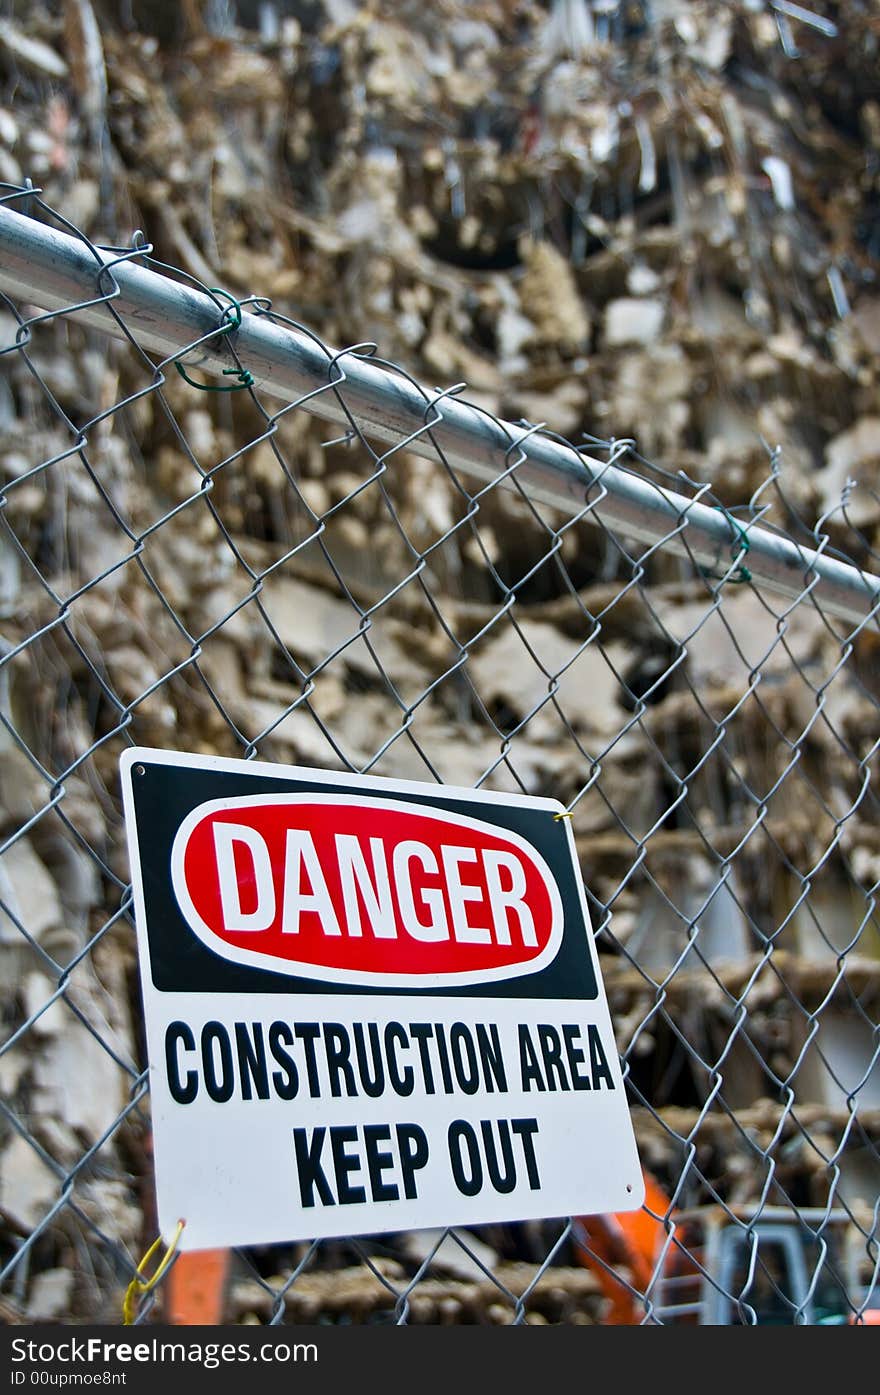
{"type": "Point", "coordinates": [740, 544]}
{"type": "Point", "coordinates": [245, 378]}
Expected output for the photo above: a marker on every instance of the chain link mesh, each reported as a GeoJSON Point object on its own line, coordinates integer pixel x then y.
{"type": "Point", "coordinates": [220, 573]}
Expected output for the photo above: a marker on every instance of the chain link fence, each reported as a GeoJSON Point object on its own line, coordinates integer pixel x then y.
{"type": "Point", "coordinates": [217, 534]}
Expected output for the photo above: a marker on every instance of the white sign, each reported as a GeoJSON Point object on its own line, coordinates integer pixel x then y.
{"type": "Point", "coordinates": [371, 1005]}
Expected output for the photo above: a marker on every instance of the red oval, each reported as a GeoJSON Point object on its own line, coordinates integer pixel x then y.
{"type": "Point", "coordinates": [364, 891]}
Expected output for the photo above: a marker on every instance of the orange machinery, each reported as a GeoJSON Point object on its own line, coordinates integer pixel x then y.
{"type": "Point", "coordinates": [810, 1266]}
{"type": "Point", "coordinates": [631, 1240]}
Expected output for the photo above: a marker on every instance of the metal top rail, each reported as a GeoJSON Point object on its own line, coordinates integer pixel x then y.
{"type": "Point", "coordinates": [56, 272]}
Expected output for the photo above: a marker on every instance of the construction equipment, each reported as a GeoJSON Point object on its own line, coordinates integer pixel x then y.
{"type": "Point", "coordinates": [721, 1265]}
{"type": "Point", "coordinates": [195, 1291]}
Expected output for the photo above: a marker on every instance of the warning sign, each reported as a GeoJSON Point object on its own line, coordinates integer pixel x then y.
{"type": "Point", "coordinates": [371, 1005]}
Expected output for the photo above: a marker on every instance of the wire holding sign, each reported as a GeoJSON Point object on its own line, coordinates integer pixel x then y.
{"type": "Point", "coordinates": [298, 1093]}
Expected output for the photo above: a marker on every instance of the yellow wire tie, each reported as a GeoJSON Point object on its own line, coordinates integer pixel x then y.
{"type": "Point", "coordinates": [140, 1287]}
{"type": "Point", "coordinates": [567, 814]}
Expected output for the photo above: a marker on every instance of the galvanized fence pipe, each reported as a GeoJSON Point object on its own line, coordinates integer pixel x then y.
{"type": "Point", "coordinates": [58, 272]}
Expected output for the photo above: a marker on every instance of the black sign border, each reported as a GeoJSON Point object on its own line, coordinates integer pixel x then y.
{"type": "Point", "coordinates": [164, 793]}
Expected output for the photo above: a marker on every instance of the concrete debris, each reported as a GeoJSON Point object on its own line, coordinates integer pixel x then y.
{"type": "Point", "coordinates": [470, 1259]}
{"type": "Point", "coordinates": [550, 299]}
{"type": "Point", "coordinates": [561, 1294]}
{"type": "Point", "coordinates": [631, 321]}
{"type": "Point", "coordinates": [527, 665]}
{"type": "Point", "coordinates": [30, 899]}
{"type": "Point", "coordinates": [854, 458]}
{"type": "Point", "coordinates": [28, 1187]}
{"type": "Point", "coordinates": [50, 1297]}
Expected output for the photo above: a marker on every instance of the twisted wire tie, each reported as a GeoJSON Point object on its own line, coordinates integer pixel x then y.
{"type": "Point", "coordinates": [226, 326]}
{"type": "Point", "coordinates": [140, 1287]}
{"type": "Point", "coordinates": [740, 544]}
